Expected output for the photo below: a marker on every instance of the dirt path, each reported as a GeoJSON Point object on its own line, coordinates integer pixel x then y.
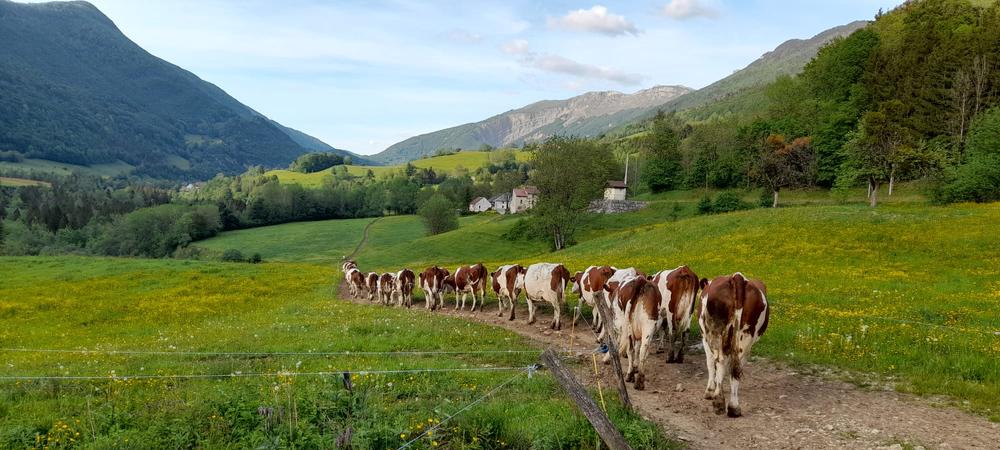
{"type": "Point", "coordinates": [782, 408]}
{"type": "Point", "coordinates": [364, 240]}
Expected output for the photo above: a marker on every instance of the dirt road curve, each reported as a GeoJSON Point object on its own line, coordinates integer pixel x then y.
{"type": "Point", "coordinates": [782, 409]}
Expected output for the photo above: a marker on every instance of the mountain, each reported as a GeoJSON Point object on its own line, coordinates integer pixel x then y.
{"type": "Point", "coordinates": [589, 114]}
{"type": "Point", "coordinates": [76, 90]}
{"type": "Point", "coordinates": [313, 144]}
{"type": "Point", "coordinates": [789, 58]}
{"type": "Point", "coordinates": [595, 113]}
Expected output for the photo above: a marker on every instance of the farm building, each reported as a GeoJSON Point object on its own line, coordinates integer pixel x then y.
{"type": "Point", "coordinates": [501, 202]}
{"type": "Point", "coordinates": [479, 204]}
{"type": "Point", "coordinates": [523, 198]}
{"type": "Point", "coordinates": [615, 190]}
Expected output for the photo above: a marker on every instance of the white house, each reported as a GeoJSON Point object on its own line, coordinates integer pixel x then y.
{"type": "Point", "coordinates": [615, 190]}
{"type": "Point", "coordinates": [501, 203]}
{"type": "Point", "coordinates": [523, 199]}
{"type": "Point", "coordinates": [479, 204]}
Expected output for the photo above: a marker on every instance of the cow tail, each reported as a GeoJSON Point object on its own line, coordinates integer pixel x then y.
{"type": "Point", "coordinates": [739, 284]}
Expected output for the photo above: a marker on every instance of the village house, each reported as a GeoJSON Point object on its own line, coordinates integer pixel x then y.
{"type": "Point", "coordinates": [615, 190]}
{"type": "Point", "coordinates": [479, 204]}
{"type": "Point", "coordinates": [523, 199]}
{"type": "Point", "coordinates": [501, 203]}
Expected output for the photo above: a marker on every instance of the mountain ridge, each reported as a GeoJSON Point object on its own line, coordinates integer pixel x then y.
{"type": "Point", "coordinates": [788, 58]}
{"type": "Point", "coordinates": [77, 90]}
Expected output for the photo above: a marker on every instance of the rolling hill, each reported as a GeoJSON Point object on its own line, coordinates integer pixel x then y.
{"type": "Point", "coordinates": [78, 91]}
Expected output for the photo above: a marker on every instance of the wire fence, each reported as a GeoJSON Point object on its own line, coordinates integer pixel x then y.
{"type": "Point", "coordinates": [334, 373]}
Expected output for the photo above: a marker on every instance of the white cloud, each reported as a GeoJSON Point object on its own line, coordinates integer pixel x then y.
{"type": "Point", "coordinates": [562, 65]}
{"type": "Point", "coordinates": [689, 9]}
{"type": "Point", "coordinates": [596, 20]}
{"type": "Point", "coordinates": [464, 36]}
{"type": "Point", "coordinates": [516, 47]}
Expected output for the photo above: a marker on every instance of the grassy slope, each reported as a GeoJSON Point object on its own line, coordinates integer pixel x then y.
{"type": "Point", "coordinates": [321, 241]}
{"type": "Point", "coordinates": [171, 305]}
{"type": "Point", "coordinates": [841, 277]}
{"type": "Point", "coordinates": [447, 163]}
{"type": "Point", "coordinates": [16, 182]}
{"type": "Point", "coordinates": [41, 165]}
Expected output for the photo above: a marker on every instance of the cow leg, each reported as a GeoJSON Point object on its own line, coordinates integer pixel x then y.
{"type": "Point", "coordinates": [646, 343]}
{"type": "Point", "coordinates": [557, 316]}
{"type": "Point", "coordinates": [733, 406]}
{"type": "Point", "coordinates": [721, 372]}
{"type": "Point", "coordinates": [513, 306]}
{"type": "Point", "coordinates": [531, 312]}
{"type": "Point", "coordinates": [679, 348]}
{"type": "Point", "coordinates": [710, 367]}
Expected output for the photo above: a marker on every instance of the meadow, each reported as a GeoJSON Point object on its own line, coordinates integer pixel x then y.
{"type": "Point", "coordinates": [319, 241]}
{"type": "Point", "coordinates": [446, 164]}
{"type": "Point", "coordinates": [288, 393]}
{"type": "Point", "coordinates": [905, 293]}
{"type": "Point", "coordinates": [58, 168]}
{"type": "Point", "coordinates": [17, 182]}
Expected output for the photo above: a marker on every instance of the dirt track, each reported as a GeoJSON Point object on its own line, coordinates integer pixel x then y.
{"type": "Point", "coordinates": [782, 408]}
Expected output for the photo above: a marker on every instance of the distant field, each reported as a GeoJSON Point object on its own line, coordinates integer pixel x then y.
{"type": "Point", "coordinates": [41, 165]}
{"type": "Point", "coordinates": [907, 290]}
{"type": "Point", "coordinates": [177, 306]}
{"type": "Point", "coordinates": [8, 181]}
{"type": "Point", "coordinates": [447, 164]}
{"type": "Point", "coordinates": [320, 242]}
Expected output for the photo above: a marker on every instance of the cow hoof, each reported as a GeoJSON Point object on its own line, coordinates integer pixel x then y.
{"type": "Point", "coordinates": [630, 377]}
{"type": "Point", "coordinates": [670, 360]}
{"type": "Point", "coordinates": [719, 402]}
{"type": "Point", "coordinates": [640, 382]}
{"type": "Point", "coordinates": [679, 359]}
{"type": "Point", "coordinates": [734, 411]}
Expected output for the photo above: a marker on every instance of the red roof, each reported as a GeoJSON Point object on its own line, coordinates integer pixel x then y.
{"type": "Point", "coordinates": [520, 193]}
{"type": "Point", "coordinates": [616, 184]}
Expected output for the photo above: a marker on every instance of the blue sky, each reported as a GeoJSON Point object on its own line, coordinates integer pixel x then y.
{"type": "Point", "coordinates": [363, 75]}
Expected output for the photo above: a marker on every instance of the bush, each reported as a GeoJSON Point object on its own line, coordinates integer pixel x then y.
{"type": "Point", "coordinates": [979, 178]}
{"type": "Point", "coordinates": [256, 259]}
{"type": "Point", "coordinates": [728, 202]}
{"type": "Point", "coordinates": [705, 205]}
{"type": "Point", "coordinates": [315, 162]}
{"type": "Point", "coordinates": [723, 203]}
{"type": "Point", "coordinates": [233, 255]}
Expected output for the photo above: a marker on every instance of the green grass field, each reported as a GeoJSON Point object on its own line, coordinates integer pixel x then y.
{"type": "Point", "coordinates": [321, 241]}
{"type": "Point", "coordinates": [17, 182]}
{"type": "Point", "coordinates": [906, 291]}
{"type": "Point", "coordinates": [176, 306]}
{"type": "Point", "coordinates": [448, 164]}
{"type": "Point", "coordinates": [41, 165]}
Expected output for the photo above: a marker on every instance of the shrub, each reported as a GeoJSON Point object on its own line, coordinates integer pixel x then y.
{"type": "Point", "coordinates": [256, 258]}
{"type": "Point", "coordinates": [233, 255]}
{"type": "Point", "coordinates": [705, 205]}
{"type": "Point", "coordinates": [728, 202]}
{"type": "Point", "coordinates": [979, 178]}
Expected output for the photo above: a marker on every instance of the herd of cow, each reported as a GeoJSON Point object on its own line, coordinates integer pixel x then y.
{"type": "Point", "coordinates": [733, 315]}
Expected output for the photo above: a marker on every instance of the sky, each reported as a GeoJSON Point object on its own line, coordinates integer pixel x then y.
{"type": "Point", "coordinates": [362, 75]}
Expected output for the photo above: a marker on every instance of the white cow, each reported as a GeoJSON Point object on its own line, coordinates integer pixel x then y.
{"type": "Point", "coordinates": [546, 282]}
{"type": "Point", "coordinates": [508, 282]}
{"type": "Point", "coordinates": [678, 289]}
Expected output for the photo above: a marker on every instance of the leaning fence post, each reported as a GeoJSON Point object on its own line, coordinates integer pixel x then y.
{"type": "Point", "coordinates": [605, 428]}
{"type": "Point", "coordinates": [611, 340]}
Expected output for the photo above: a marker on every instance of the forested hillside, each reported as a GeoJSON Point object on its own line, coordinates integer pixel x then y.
{"type": "Point", "coordinates": [911, 96]}
{"type": "Point", "coordinates": [76, 90]}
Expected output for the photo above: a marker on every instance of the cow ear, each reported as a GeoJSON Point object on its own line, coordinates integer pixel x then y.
{"type": "Point", "coordinates": [649, 278]}
{"type": "Point", "coordinates": [704, 283]}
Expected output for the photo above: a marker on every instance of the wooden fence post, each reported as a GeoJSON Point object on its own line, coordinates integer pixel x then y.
{"type": "Point", "coordinates": [611, 340]}
{"type": "Point", "coordinates": [609, 434]}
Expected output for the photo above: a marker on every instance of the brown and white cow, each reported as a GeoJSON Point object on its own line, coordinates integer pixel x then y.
{"type": "Point", "coordinates": [348, 265]}
{"type": "Point", "coordinates": [386, 287]}
{"type": "Point", "coordinates": [592, 286]}
{"type": "Point", "coordinates": [546, 282]}
{"type": "Point", "coordinates": [356, 282]}
{"type": "Point", "coordinates": [371, 284]}
{"type": "Point", "coordinates": [432, 283]}
{"type": "Point", "coordinates": [678, 288]}
{"type": "Point", "coordinates": [508, 281]}
{"type": "Point", "coordinates": [733, 316]}
{"type": "Point", "coordinates": [470, 280]}
{"type": "Point", "coordinates": [637, 322]}
{"type": "Point", "coordinates": [404, 285]}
